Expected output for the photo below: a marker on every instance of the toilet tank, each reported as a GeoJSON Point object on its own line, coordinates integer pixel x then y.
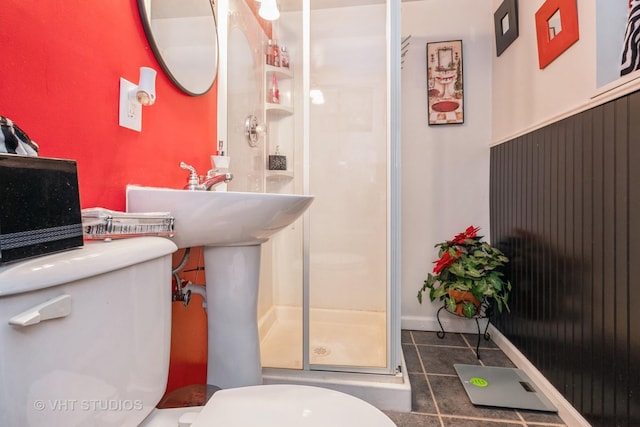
{"type": "Point", "coordinates": [102, 358]}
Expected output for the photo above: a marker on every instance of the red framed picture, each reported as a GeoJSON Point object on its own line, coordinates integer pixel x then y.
{"type": "Point", "coordinates": [556, 29]}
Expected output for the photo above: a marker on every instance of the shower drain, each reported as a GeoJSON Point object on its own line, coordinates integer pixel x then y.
{"type": "Point", "coordinates": [321, 351]}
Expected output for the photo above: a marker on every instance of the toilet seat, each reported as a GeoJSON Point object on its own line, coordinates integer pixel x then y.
{"type": "Point", "coordinates": [282, 405]}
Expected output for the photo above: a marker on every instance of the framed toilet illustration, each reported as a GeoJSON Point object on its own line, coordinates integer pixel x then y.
{"type": "Point", "coordinates": [445, 86]}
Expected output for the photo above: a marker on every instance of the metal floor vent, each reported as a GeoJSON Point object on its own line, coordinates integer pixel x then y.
{"type": "Point", "coordinates": [321, 351]}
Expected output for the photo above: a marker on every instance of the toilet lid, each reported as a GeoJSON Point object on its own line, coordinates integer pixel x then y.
{"type": "Point", "coordinates": [281, 405]}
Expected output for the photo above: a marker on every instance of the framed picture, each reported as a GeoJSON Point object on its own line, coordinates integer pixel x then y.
{"type": "Point", "coordinates": [505, 22]}
{"type": "Point", "coordinates": [445, 87]}
{"type": "Point", "coordinates": [556, 29]}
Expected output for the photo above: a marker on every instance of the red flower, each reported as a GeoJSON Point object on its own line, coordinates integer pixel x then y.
{"type": "Point", "coordinates": [445, 261]}
{"type": "Point", "coordinates": [469, 233]}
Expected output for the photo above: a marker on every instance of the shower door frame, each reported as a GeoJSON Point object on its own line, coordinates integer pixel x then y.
{"type": "Point", "coordinates": [393, 307]}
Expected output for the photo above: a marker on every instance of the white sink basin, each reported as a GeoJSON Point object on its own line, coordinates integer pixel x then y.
{"type": "Point", "coordinates": [219, 218]}
{"type": "Point", "coordinates": [231, 227]}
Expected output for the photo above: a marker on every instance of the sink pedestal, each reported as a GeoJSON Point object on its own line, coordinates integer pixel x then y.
{"type": "Point", "coordinates": [232, 275]}
{"type": "Point", "coordinates": [231, 226]}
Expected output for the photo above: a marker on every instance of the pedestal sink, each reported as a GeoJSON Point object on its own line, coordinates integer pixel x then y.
{"type": "Point", "coordinates": [231, 226]}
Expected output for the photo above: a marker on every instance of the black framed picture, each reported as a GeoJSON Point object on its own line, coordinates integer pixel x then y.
{"type": "Point", "coordinates": [505, 22]}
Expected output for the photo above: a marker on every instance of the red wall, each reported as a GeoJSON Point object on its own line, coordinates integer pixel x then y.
{"type": "Point", "coordinates": [59, 81]}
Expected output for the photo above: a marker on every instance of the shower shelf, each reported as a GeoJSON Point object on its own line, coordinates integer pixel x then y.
{"type": "Point", "coordinates": [284, 77]}
{"type": "Point", "coordinates": [279, 176]}
{"type": "Point", "coordinates": [278, 109]}
{"type": "Point", "coordinates": [280, 121]}
{"type": "Point", "coordinates": [280, 72]}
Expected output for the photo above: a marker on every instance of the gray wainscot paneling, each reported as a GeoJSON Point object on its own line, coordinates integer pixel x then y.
{"type": "Point", "coordinates": [565, 207]}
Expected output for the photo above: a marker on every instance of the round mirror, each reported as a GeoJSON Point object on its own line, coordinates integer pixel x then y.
{"type": "Point", "coordinates": [183, 37]}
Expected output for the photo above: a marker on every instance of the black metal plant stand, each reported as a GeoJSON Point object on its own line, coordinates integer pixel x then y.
{"type": "Point", "coordinates": [484, 312]}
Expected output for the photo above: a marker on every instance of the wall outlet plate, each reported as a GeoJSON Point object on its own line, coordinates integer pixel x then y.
{"type": "Point", "coordinates": [130, 115]}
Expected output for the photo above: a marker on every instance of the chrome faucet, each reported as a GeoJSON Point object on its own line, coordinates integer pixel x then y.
{"type": "Point", "coordinates": [213, 179]}
{"type": "Point", "coordinates": [209, 181]}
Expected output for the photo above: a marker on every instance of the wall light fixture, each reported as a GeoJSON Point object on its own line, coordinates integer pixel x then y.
{"type": "Point", "coordinates": [133, 97]}
{"type": "Point", "coordinates": [269, 10]}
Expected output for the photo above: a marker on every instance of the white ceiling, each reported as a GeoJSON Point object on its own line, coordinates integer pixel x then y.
{"type": "Point", "coordinates": [293, 5]}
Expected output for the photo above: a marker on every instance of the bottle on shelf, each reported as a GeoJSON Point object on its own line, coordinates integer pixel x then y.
{"type": "Point", "coordinates": [276, 54]}
{"type": "Point", "coordinates": [284, 57]}
{"type": "Point", "coordinates": [268, 51]}
{"type": "Point", "coordinates": [274, 92]}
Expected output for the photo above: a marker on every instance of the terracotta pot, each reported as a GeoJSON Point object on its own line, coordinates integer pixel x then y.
{"type": "Point", "coordinates": [463, 296]}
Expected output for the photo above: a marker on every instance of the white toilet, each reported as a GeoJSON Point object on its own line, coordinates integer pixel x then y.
{"type": "Point", "coordinates": [85, 338]}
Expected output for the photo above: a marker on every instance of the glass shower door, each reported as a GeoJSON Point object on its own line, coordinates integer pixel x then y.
{"type": "Point", "coordinates": [348, 172]}
{"type": "Point", "coordinates": [327, 299]}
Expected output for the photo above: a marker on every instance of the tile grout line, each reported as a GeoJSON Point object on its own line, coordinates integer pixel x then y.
{"type": "Point", "coordinates": [426, 377]}
{"type": "Point", "coordinates": [466, 346]}
{"type": "Point", "coordinates": [454, 346]}
{"type": "Point", "coordinates": [522, 423]}
{"type": "Point", "coordinates": [473, 349]}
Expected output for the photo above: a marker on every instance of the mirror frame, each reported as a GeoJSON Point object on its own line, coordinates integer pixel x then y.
{"type": "Point", "coordinates": [142, 10]}
{"type": "Point", "coordinates": [550, 49]}
{"type": "Point", "coordinates": [509, 10]}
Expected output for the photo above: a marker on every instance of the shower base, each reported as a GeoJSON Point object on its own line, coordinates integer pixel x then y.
{"type": "Point", "coordinates": [338, 338]}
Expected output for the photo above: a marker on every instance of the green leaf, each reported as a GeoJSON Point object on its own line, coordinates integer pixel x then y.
{"type": "Point", "coordinates": [438, 293]}
{"type": "Point", "coordinates": [457, 269]}
{"type": "Point", "coordinates": [479, 253]}
{"type": "Point", "coordinates": [468, 309]}
{"type": "Point", "coordinates": [451, 304]}
{"type": "Point", "coordinates": [480, 289]}
{"type": "Point", "coordinates": [473, 272]}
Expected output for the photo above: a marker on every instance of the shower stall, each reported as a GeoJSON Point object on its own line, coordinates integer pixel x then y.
{"type": "Point", "coordinates": [329, 309]}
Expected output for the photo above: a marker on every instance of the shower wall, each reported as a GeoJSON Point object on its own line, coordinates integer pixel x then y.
{"type": "Point", "coordinates": [244, 96]}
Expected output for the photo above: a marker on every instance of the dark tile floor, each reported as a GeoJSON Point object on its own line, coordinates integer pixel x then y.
{"type": "Point", "coordinates": [438, 397]}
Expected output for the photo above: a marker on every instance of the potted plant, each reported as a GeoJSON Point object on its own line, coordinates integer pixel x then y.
{"type": "Point", "coordinates": [466, 274]}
